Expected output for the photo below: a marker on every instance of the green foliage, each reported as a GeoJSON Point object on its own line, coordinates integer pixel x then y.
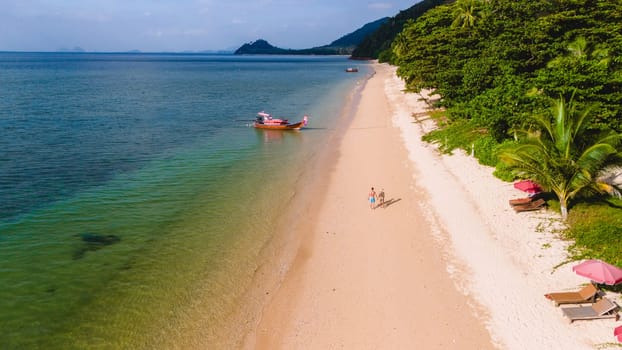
{"type": "Point", "coordinates": [484, 56]}
{"type": "Point", "coordinates": [467, 12]}
{"type": "Point", "coordinates": [504, 173]}
{"type": "Point", "coordinates": [465, 135]}
{"type": "Point", "coordinates": [584, 72]}
{"type": "Point", "coordinates": [421, 50]}
{"type": "Point", "coordinates": [457, 135]}
{"type": "Point", "coordinates": [595, 229]}
{"type": "Point", "coordinates": [385, 56]}
{"type": "Point", "coordinates": [485, 149]}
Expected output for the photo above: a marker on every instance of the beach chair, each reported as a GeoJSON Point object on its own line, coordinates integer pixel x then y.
{"type": "Point", "coordinates": [535, 205]}
{"type": "Point", "coordinates": [587, 294]}
{"type": "Point", "coordinates": [604, 308]}
{"type": "Point", "coordinates": [521, 201]}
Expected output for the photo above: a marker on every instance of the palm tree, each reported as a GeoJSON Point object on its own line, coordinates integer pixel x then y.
{"type": "Point", "coordinates": [580, 50]}
{"type": "Point", "coordinates": [562, 158]}
{"type": "Point", "coordinates": [466, 13]}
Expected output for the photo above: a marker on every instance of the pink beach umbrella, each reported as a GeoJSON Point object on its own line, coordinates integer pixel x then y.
{"type": "Point", "coordinates": [528, 186]}
{"type": "Point", "coordinates": [617, 332]}
{"type": "Point", "coordinates": [599, 271]}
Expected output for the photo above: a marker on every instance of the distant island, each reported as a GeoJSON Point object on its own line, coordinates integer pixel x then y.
{"type": "Point", "coordinates": [342, 46]}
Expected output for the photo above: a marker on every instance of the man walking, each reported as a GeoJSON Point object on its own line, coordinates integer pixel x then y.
{"type": "Point", "coordinates": [372, 199]}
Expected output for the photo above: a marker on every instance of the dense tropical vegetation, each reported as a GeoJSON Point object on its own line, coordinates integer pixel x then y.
{"type": "Point", "coordinates": [484, 58]}
{"type": "Point", "coordinates": [499, 66]}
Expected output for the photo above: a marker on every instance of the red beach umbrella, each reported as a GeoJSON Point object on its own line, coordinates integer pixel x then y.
{"type": "Point", "coordinates": [599, 271]}
{"type": "Point", "coordinates": [617, 332]}
{"type": "Point", "coordinates": [528, 186]}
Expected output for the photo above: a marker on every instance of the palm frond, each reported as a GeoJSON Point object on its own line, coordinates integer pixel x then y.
{"type": "Point", "coordinates": [593, 159]}
{"type": "Point", "coordinates": [609, 180]}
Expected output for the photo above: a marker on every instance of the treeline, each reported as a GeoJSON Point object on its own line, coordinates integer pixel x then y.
{"type": "Point", "coordinates": [494, 63]}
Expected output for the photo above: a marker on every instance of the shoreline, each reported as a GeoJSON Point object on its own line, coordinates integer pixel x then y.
{"type": "Point", "coordinates": [351, 286]}
{"type": "Point", "coordinates": [284, 249]}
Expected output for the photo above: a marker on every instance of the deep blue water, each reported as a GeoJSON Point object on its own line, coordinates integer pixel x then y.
{"type": "Point", "coordinates": [127, 180]}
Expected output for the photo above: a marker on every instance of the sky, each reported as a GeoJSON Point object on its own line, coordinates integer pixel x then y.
{"type": "Point", "coordinates": [182, 25]}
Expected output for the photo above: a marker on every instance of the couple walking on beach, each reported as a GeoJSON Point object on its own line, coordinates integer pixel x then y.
{"type": "Point", "coordinates": [372, 198]}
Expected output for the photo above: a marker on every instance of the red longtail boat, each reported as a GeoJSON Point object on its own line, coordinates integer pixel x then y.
{"type": "Point", "coordinates": [266, 121]}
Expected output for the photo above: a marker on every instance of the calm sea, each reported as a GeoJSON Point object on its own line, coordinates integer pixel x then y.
{"type": "Point", "coordinates": [135, 200]}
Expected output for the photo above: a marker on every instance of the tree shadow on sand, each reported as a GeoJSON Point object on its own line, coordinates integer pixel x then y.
{"type": "Point", "coordinates": [388, 203]}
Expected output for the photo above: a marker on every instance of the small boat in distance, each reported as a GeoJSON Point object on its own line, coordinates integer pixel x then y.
{"type": "Point", "coordinates": [352, 69]}
{"type": "Point", "coordinates": [265, 121]}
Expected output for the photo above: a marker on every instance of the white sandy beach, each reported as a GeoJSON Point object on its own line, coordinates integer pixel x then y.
{"type": "Point", "coordinates": [447, 265]}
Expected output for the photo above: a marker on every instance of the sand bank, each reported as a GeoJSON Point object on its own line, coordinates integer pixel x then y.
{"type": "Point", "coordinates": [445, 265]}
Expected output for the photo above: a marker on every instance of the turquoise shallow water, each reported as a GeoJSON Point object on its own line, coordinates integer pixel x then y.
{"type": "Point", "coordinates": [135, 205]}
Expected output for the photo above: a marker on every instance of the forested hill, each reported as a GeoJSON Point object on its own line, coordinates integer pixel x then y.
{"type": "Point", "coordinates": [355, 38]}
{"type": "Point", "coordinates": [260, 47]}
{"type": "Point", "coordinates": [342, 46]}
{"type": "Point", "coordinates": [381, 39]}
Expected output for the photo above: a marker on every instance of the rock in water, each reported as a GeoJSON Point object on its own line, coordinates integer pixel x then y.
{"type": "Point", "coordinates": [93, 242]}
